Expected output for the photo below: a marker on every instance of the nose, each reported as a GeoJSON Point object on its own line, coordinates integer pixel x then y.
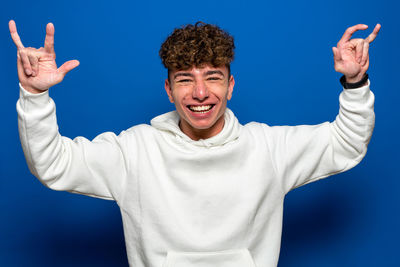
{"type": "Point", "coordinates": [200, 91]}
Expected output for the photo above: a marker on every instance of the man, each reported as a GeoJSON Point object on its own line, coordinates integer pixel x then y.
{"type": "Point", "coordinates": [196, 188]}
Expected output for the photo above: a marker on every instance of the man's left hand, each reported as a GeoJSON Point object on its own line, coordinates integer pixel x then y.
{"type": "Point", "coordinates": [351, 55]}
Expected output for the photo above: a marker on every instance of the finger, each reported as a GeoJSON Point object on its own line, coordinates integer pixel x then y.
{"type": "Point", "coordinates": [34, 64]}
{"type": "Point", "coordinates": [359, 50]}
{"type": "Point", "coordinates": [68, 66]}
{"type": "Point", "coordinates": [25, 62]}
{"type": "Point", "coordinates": [20, 67]}
{"type": "Point", "coordinates": [365, 54]}
{"type": "Point", "coordinates": [14, 34]}
{"type": "Point", "coordinates": [49, 40]}
{"type": "Point", "coordinates": [336, 54]}
{"type": "Point", "coordinates": [374, 33]}
{"type": "Point", "coordinates": [350, 31]}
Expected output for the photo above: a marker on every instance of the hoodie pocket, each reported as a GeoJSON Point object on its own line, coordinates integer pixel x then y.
{"type": "Point", "coordinates": [226, 258]}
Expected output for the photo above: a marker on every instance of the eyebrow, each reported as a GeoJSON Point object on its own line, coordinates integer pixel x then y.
{"type": "Point", "coordinates": [186, 74]}
{"type": "Point", "coordinates": [211, 72]}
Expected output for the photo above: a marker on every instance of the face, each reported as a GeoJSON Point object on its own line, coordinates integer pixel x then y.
{"type": "Point", "coordinates": [200, 95]}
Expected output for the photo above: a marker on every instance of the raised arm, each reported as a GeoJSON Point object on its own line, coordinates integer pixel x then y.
{"type": "Point", "coordinates": [37, 68]}
{"type": "Point", "coordinates": [306, 153]}
{"type": "Point", "coordinates": [95, 168]}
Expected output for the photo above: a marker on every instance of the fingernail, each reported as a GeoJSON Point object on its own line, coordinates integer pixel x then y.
{"type": "Point", "coordinates": [28, 71]}
{"type": "Point", "coordinates": [33, 73]}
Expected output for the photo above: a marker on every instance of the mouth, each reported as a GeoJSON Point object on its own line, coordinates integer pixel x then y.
{"type": "Point", "coordinates": [200, 109]}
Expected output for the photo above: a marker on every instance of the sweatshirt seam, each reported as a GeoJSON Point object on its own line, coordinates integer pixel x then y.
{"type": "Point", "coordinates": [122, 201]}
{"type": "Point", "coordinates": [128, 168]}
{"type": "Point", "coordinates": [273, 160]}
{"type": "Point", "coordinates": [117, 194]}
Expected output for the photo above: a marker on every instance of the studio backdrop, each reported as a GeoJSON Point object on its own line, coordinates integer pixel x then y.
{"type": "Point", "coordinates": [284, 75]}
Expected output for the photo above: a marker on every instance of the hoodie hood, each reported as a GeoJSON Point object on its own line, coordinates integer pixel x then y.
{"type": "Point", "coordinates": [169, 122]}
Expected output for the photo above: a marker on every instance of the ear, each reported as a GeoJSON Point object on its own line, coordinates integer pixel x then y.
{"type": "Point", "coordinates": [168, 89]}
{"type": "Point", "coordinates": [230, 87]}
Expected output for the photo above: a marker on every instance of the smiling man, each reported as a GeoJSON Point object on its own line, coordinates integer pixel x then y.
{"type": "Point", "coordinates": [200, 95]}
{"type": "Point", "coordinates": [199, 80]}
{"type": "Point", "coordinates": [195, 188]}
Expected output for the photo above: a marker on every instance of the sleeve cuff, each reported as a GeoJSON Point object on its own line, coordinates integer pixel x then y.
{"type": "Point", "coordinates": [362, 87]}
{"type": "Point", "coordinates": [41, 97]}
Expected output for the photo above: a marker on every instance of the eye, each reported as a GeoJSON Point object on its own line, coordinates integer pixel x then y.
{"type": "Point", "coordinates": [184, 81]}
{"type": "Point", "coordinates": [214, 78]}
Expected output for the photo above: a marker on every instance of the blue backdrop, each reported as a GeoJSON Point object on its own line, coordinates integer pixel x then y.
{"type": "Point", "coordinates": [284, 75]}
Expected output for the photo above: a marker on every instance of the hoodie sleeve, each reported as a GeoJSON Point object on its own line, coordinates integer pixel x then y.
{"type": "Point", "coordinates": [306, 153]}
{"type": "Point", "coordinates": [93, 168]}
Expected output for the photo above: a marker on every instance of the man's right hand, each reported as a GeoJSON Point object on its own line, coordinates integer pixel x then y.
{"type": "Point", "coordinates": [37, 68]}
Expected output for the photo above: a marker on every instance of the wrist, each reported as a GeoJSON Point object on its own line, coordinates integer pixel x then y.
{"type": "Point", "coordinates": [32, 90]}
{"type": "Point", "coordinates": [354, 79]}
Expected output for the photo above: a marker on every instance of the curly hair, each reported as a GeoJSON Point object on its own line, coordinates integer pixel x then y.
{"type": "Point", "coordinates": [196, 45]}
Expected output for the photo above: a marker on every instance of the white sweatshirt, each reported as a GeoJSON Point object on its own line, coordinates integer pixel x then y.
{"type": "Point", "coordinates": [209, 203]}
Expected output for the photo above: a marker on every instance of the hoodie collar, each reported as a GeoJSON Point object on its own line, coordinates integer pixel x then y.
{"type": "Point", "coordinates": [169, 122]}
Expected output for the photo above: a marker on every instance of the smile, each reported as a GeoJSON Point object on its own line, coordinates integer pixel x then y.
{"type": "Point", "coordinates": [201, 108]}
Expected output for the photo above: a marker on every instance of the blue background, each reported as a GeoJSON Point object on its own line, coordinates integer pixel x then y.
{"type": "Point", "coordinates": [284, 75]}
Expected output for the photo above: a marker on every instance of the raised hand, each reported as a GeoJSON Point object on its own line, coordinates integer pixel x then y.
{"type": "Point", "coordinates": [37, 68]}
{"type": "Point", "coordinates": [351, 55]}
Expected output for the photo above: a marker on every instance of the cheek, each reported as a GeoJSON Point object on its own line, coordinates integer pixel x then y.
{"type": "Point", "coordinates": [179, 98]}
{"type": "Point", "coordinates": [224, 93]}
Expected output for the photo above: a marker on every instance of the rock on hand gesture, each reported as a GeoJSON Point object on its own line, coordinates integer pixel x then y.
{"type": "Point", "coordinates": [351, 55]}
{"type": "Point", "coordinates": [37, 68]}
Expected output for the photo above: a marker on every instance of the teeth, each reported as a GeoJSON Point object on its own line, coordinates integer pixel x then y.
{"type": "Point", "coordinates": [200, 108]}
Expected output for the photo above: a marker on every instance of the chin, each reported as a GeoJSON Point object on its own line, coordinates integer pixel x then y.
{"type": "Point", "coordinates": [204, 124]}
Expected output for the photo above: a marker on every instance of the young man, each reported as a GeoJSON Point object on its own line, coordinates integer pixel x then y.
{"type": "Point", "coordinates": [196, 188]}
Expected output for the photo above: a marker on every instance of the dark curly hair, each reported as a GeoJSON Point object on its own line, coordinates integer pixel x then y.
{"type": "Point", "coordinates": [195, 45]}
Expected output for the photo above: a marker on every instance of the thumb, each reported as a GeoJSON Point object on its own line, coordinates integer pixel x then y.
{"type": "Point", "coordinates": [68, 66]}
{"type": "Point", "coordinates": [336, 54]}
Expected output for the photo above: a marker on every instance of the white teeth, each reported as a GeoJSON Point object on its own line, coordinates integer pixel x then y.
{"type": "Point", "coordinates": [200, 108]}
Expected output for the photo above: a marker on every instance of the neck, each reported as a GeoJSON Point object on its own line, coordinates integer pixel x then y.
{"type": "Point", "coordinates": [197, 134]}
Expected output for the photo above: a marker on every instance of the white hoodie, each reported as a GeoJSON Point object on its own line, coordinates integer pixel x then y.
{"type": "Point", "coordinates": [209, 203]}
